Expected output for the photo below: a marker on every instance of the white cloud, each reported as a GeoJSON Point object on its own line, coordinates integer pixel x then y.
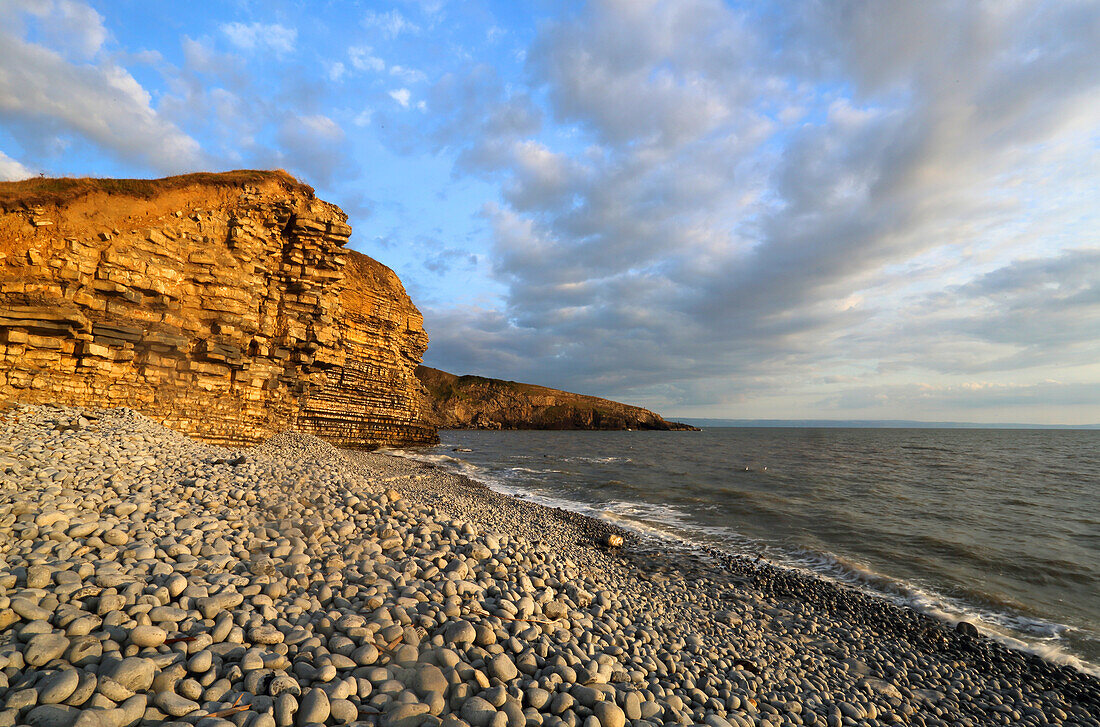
{"type": "Point", "coordinates": [322, 127]}
{"type": "Point", "coordinates": [11, 170]}
{"type": "Point", "coordinates": [739, 181]}
{"type": "Point", "coordinates": [401, 96]}
{"type": "Point", "coordinates": [392, 23]}
{"type": "Point", "coordinates": [363, 59]}
{"type": "Point", "coordinates": [313, 145]}
{"type": "Point", "coordinates": [261, 36]}
{"type": "Point", "coordinates": [71, 28]}
{"type": "Point", "coordinates": [408, 75]}
{"type": "Point", "coordinates": [45, 98]}
{"type": "Point", "coordinates": [363, 118]}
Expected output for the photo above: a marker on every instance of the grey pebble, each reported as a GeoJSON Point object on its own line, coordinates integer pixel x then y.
{"type": "Point", "coordinates": [319, 586]}
{"type": "Point", "coordinates": [314, 707]}
{"type": "Point", "coordinates": [478, 712]}
{"type": "Point", "coordinates": [52, 715]}
{"type": "Point", "coordinates": [57, 687]}
{"type": "Point", "coordinates": [175, 705]}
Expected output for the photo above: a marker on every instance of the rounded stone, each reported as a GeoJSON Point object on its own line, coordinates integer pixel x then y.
{"type": "Point", "coordinates": [57, 687]}
{"type": "Point", "coordinates": [503, 668]}
{"type": "Point", "coordinates": [609, 714]}
{"type": "Point", "coordinates": [536, 698]}
{"type": "Point", "coordinates": [134, 673]}
{"type": "Point", "coordinates": [285, 707]}
{"type": "Point", "coordinates": [314, 707]}
{"type": "Point", "coordinates": [148, 636]}
{"type": "Point", "coordinates": [38, 576]}
{"type": "Point", "coordinates": [109, 688]}
{"type": "Point", "coordinates": [189, 689]}
{"type": "Point", "coordinates": [28, 610]}
{"type": "Point", "coordinates": [85, 688]}
{"type": "Point", "coordinates": [478, 712]}
{"type": "Point", "coordinates": [51, 517]}
{"type": "Point", "coordinates": [586, 695]}
{"type": "Point", "coordinates": [405, 715]}
{"type": "Point", "coordinates": [19, 699]}
{"type": "Point", "coordinates": [284, 683]}
{"type": "Point", "coordinates": [115, 537]}
{"type": "Point", "coordinates": [459, 632]}
{"type": "Point", "coordinates": [251, 661]}
{"type": "Point", "coordinates": [201, 662]}
{"type": "Point", "coordinates": [44, 648]}
{"type": "Point", "coordinates": [430, 678]}
{"type": "Point", "coordinates": [342, 711]}
{"type": "Point", "coordinates": [632, 705]}
{"type": "Point", "coordinates": [480, 552]}
{"type": "Point", "coordinates": [266, 635]}
{"type": "Point", "coordinates": [174, 705]}
{"type": "Point", "coordinates": [52, 715]}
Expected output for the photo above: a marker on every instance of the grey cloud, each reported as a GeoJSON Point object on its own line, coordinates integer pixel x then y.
{"type": "Point", "coordinates": [1029, 313]}
{"type": "Point", "coordinates": [259, 121]}
{"type": "Point", "coordinates": [357, 204]}
{"type": "Point", "coordinates": [700, 237]}
{"type": "Point", "coordinates": [313, 146]}
{"type": "Point", "coordinates": [659, 73]}
{"type": "Point", "coordinates": [471, 115]}
{"type": "Point", "coordinates": [924, 399]}
{"type": "Point", "coordinates": [447, 259]}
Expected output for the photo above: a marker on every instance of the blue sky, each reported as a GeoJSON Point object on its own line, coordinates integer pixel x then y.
{"type": "Point", "coordinates": [755, 210]}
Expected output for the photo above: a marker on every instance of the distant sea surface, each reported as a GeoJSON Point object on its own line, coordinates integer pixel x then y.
{"type": "Point", "coordinates": [999, 527]}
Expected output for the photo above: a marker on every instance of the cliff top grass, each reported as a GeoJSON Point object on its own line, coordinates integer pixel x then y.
{"type": "Point", "coordinates": [445, 384]}
{"type": "Point", "coordinates": [59, 190]}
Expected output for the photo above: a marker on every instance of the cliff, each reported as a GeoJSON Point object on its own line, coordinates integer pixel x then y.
{"type": "Point", "coordinates": [474, 402]}
{"type": "Point", "coordinates": [222, 305]}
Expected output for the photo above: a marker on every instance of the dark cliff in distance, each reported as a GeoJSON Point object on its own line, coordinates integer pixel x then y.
{"type": "Point", "coordinates": [222, 305]}
{"type": "Point", "coordinates": [475, 402]}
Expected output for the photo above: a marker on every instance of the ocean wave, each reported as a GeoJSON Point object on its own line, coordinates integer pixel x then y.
{"type": "Point", "coordinates": [531, 471]}
{"type": "Point", "coordinates": [681, 531]}
{"type": "Point", "coordinates": [1024, 633]}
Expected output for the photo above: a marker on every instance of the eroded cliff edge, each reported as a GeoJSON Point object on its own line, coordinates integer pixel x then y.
{"type": "Point", "coordinates": [475, 402]}
{"type": "Point", "coordinates": [222, 305]}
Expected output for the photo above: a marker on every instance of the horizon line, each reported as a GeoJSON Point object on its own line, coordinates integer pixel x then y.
{"type": "Point", "coordinates": [719, 422]}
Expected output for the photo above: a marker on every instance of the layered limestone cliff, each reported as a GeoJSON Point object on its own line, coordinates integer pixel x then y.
{"type": "Point", "coordinates": [474, 402]}
{"type": "Point", "coordinates": [223, 305]}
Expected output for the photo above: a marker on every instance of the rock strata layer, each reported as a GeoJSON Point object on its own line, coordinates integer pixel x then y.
{"type": "Point", "coordinates": [475, 402]}
{"type": "Point", "coordinates": [224, 306]}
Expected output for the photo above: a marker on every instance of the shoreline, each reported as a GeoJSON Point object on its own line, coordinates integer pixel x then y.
{"type": "Point", "coordinates": [147, 578]}
{"type": "Point", "coordinates": [659, 535]}
{"type": "Point", "coordinates": [650, 555]}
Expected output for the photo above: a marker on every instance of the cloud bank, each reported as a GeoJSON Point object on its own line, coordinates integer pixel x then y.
{"type": "Point", "coordinates": [740, 197]}
{"type": "Point", "coordinates": [72, 92]}
{"type": "Point", "coordinates": [864, 209]}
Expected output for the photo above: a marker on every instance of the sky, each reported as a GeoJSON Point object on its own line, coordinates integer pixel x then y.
{"type": "Point", "coordinates": [791, 209]}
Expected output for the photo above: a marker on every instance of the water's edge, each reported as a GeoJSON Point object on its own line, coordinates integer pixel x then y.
{"type": "Point", "coordinates": [1043, 641]}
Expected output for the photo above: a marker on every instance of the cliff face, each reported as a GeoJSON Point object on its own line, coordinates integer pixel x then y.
{"type": "Point", "coordinates": [474, 402]}
{"type": "Point", "coordinates": [223, 305]}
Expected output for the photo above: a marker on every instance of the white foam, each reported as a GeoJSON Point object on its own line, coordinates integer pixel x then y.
{"type": "Point", "coordinates": [668, 524]}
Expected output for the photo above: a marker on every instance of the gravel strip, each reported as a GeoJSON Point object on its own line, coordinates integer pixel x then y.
{"type": "Point", "coordinates": [149, 579]}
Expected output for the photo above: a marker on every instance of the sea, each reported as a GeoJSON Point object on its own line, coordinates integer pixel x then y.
{"type": "Point", "coordinates": [997, 527]}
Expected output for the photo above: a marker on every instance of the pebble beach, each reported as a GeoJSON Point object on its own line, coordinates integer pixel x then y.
{"type": "Point", "coordinates": [149, 579]}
